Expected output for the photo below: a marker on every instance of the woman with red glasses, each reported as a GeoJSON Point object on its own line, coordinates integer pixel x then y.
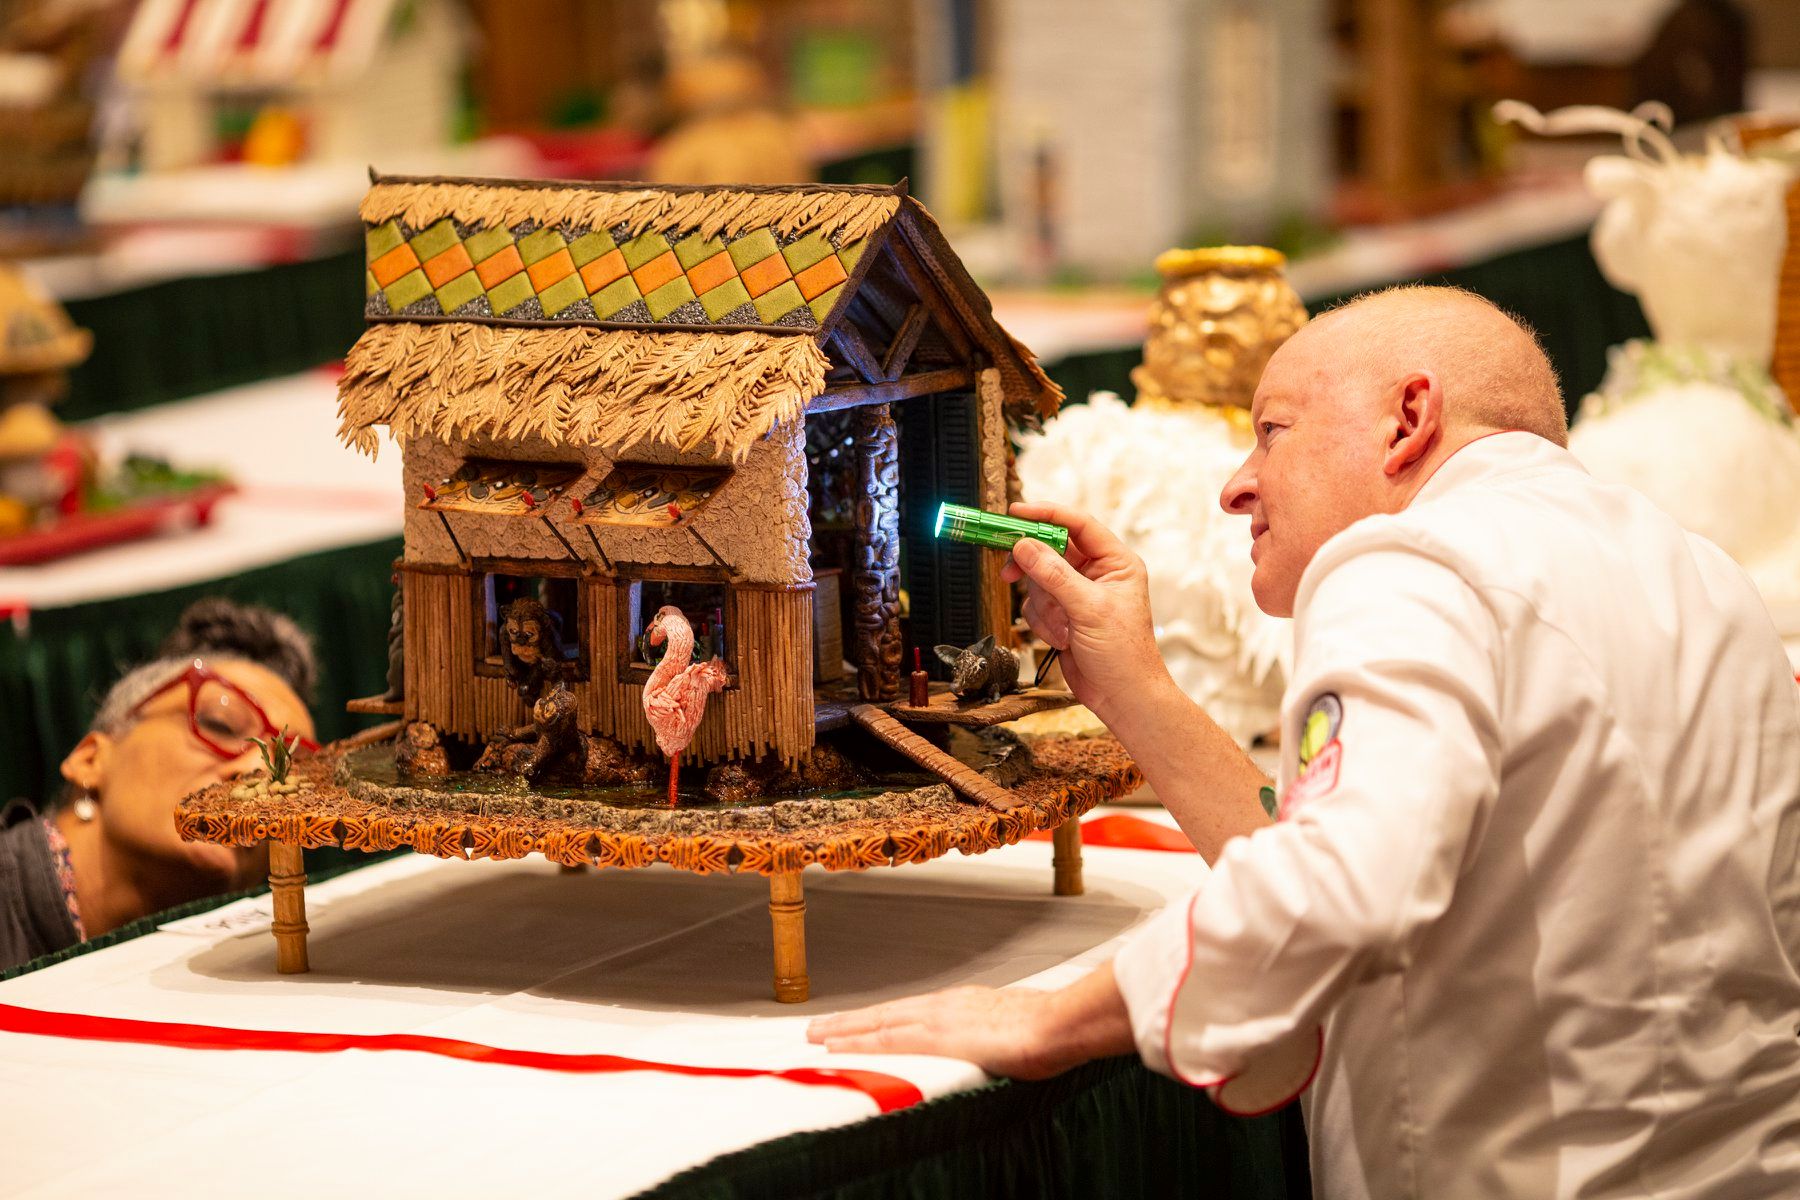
{"type": "Point", "coordinates": [109, 854]}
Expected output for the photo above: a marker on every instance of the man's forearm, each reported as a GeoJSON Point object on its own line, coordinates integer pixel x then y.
{"type": "Point", "coordinates": [1200, 774]}
{"type": "Point", "coordinates": [1084, 1021]}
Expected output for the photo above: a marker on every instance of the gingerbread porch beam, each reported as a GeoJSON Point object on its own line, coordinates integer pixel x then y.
{"type": "Point", "coordinates": [852, 349]}
{"type": "Point", "coordinates": [875, 579]}
{"type": "Point", "coordinates": [923, 383]}
{"type": "Point", "coordinates": [906, 340]}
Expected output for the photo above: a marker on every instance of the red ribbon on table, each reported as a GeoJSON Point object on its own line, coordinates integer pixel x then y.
{"type": "Point", "coordinates": [888, 1091]}
{"type": "Point", "coordinates": [1122, 831]}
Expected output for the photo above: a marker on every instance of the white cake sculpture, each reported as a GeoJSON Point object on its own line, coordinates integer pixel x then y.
{"type": "Point", "coordinates": [1692, 418]}
{"type": "Point", "coordinates": [1152, 472]}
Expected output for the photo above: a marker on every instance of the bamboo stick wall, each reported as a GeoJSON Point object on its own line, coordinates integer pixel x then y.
{"type": "Point", "coordinates": [768, 711]}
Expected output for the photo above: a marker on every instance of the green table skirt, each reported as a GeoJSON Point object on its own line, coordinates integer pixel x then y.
{"type": "Point", "coordinates": [1109, 1129]}
{"type": "Point", "coordinates": [184, 337]}
{"type": "Point", "coordinates": [54, 672]}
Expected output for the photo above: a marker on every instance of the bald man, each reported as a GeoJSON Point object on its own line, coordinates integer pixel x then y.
{"type": "Point", "coordinates": [1533, 873]}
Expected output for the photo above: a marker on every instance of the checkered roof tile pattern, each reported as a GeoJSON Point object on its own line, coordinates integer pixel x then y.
{"type": "Point", "coordinates": [603, 276]}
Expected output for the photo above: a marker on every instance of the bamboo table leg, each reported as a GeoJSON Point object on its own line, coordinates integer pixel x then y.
{"type": "Point", "coordinates": [1065, 858]}
{"type": "Point", "coordinates": [787, 912]}
{"type": "Point", "coordinates": [287, 880]}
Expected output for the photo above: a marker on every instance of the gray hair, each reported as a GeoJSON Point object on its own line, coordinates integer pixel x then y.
{"type": "Point", "coordinates": [133, 688]}
{"type": "Point", "coordinates": [216, 630]}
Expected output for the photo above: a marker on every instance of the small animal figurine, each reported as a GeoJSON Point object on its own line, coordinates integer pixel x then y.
{"type": "Point", "coordinates": [421, 751]}
{"type": "Point", "coordinates": [983, 669]}
{"type": "Point", "coordinates": [529, 648]}
{"type": "Point", "coordinates": [551, 741]}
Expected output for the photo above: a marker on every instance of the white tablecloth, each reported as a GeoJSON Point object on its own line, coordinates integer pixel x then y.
{"type": "Point", "coordinates": [301, 491]}
{"type": "Point", "coordinates": [655, 965]}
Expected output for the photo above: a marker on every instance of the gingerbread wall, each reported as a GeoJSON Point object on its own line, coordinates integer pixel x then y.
{"type": "Point", "coordinates": [757, 523]}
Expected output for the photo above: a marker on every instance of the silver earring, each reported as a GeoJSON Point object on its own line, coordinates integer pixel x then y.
{"type": "Point", "coordinates": [85, 809]}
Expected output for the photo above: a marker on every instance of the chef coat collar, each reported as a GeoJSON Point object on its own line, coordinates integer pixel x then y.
{"type": "Point", "coordinates": [1493, 455]}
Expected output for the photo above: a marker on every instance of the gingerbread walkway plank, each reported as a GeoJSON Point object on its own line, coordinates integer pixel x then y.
{"type": "Point", "coordinates": [957, 774]}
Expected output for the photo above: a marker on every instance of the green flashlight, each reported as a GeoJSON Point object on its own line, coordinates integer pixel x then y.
{"type": "Point", "coordinates": [978, 527]}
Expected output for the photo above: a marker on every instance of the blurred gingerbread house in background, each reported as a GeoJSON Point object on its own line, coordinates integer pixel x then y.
{"type": "Point", "coordinates": [48, 52]}
{"type": "Point", "coordinates": [615, 397]}
{"type": "Point", "coordinates": [218, 80]}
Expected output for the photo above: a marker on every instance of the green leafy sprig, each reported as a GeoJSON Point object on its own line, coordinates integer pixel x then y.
{"type": "Point", "coordinates": [277, 754]}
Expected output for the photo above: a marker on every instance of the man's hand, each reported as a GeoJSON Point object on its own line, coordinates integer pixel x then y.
{"type": "Point", "coordinates": [1093, 606]}
{"type": "Point", "coordinates": [1014, 1032]}
{"type": "Point", "coordinates": [999, 1031]}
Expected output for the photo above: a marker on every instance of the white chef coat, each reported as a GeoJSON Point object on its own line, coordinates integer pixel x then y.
{"type": "Point", "coordinates": [1543, 891]}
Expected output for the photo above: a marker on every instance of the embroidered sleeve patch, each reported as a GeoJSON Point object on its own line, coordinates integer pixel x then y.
{"type": "Point", "coordinates": [1323, 718]}
{"type": "Point", "coordinates": [1321, 754]}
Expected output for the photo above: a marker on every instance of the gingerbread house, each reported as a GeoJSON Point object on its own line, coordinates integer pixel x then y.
{"type": "Point", "coordinates": [745, 402]}
{"type": "Point", "coordinates": [360, 77]}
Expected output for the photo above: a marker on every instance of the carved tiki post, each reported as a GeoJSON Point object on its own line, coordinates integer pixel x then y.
{"type": "Point", "coordinates": [875, 577]}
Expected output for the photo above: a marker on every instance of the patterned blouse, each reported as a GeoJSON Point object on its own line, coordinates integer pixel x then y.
{"type": "Point", "coordinates": [65, 873]}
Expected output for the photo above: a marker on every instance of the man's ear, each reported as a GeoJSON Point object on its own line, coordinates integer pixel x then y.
{"type": "Point", "coordinates": [85, 766]}
{"type": "Point", "coordinates": [1414, 421]}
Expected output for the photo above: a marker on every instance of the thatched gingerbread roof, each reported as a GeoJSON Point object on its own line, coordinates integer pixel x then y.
{"type": "Point", "coordinates": [618, 313]}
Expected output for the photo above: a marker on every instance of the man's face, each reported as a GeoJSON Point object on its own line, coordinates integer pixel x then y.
{"type": "Point", "coordinates": [1316, 468]}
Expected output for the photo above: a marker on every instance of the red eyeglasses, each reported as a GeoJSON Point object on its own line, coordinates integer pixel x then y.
{"type": "Point", "coordinates": [222, 716]}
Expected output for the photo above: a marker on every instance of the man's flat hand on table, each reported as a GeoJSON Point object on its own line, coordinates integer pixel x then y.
{"type": "Point", "coordinates": [1000, 1030]}
{"type": "Point", "coordinates": [1018, 1033]}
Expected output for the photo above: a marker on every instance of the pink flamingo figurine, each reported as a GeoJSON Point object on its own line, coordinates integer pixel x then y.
{"type": "Point", "coordinates": [675, 694]}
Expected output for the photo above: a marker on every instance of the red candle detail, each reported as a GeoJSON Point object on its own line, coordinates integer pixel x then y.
{"type": "Point", "coordinates": [919, 685]}
{"type": "Point", "coordinates": [575, 505]}
{"type": "Point", "coordinates": [529, 502]}
{"type": "Point", "coordinates": [430, 492]}
{"type": "Point", "coordinates": [674, 511]}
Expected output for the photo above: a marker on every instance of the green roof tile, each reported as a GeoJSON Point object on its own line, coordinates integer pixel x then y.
{"type": "Point", "coordinates": [561, 294]}
{"type": "Point", "coordinates": [752, 248]}
{"type": "Point", "coordinates": [616, 295]}
{"type": "Point", "coordinates": [696, 249]}
{"type": "Point", "coordinates": [807, 251]}
{"type": "Point", "coordinates": [435, 240]}
{"type": "Point", "coordinates": [508, 294]}
{"type": "Point", "coordinates": [408, 288]}
{"type": "Point", "coordinates": [852, 254]}
{"type": "Point", "coordinates": [669, 297]}
{"type": "Point", "coordinates": [459, 291]}
{"type": "Point", "coordinates": [641, 249]}
{"type": "Point", "coordinates": [486, 243]}
{"type": "Point", "coordinates": [589, 246]}
{"type": "Point", "coordinates": [382, 238]}
{"type": "Point", "coordinates": [539, 244]}
{"type": "Point", "coordinates": [821, 304]}
{"type": "Point", "coordinates": [772, 305]}
{"type": "Point", "coordinates": [724, 298]}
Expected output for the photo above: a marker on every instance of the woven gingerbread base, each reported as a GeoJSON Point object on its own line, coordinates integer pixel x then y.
{"type": "Point", "coordinates": [1066, 778]}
